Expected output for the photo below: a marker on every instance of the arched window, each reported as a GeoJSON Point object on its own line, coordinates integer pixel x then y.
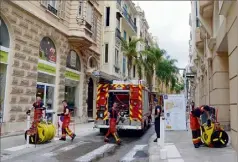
{"type": "Point", "coordinates": [73, 61]}
{"type": "Point", "coordinates": [92, 62]}
{"type": "Point", "coordinates": [4, 36]}
{"type": "Point", "coordinates": [47, 50]}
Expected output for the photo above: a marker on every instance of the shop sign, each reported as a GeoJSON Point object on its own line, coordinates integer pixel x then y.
{"type": "Point", "coordinates": [72, 75]}
{"type": "Point", "coordinates": [46, 68]}
{"type": "Point", "coordinates": [3, 57]}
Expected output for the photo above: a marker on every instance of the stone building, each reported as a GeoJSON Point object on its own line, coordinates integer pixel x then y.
{"type": "Point", "coordinates": [48, 49]}
{"type": "Point", "coordinates": [213, 58]}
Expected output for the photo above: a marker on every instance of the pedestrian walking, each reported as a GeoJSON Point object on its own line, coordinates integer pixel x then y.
{"type": "Point", "coordinates": [113, 120]}
{"type": "Point", "coordinates": [66, 121]}
{"type": "Point", "coordinates": [158, 111]}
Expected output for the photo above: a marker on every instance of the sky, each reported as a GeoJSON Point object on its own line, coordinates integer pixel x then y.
{"type": "Point", "coordinates": [169, 21]}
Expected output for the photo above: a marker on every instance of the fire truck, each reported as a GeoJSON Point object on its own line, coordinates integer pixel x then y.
{"type": "Point", "coordinates": [133, 105]}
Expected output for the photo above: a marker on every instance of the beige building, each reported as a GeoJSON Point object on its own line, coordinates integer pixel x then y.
{"type": "Point", "coordinates": [213, 56]}
{"type": "Point", "coordinates": [49, 49]}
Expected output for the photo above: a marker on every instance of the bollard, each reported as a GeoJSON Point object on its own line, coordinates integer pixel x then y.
{"type": "Point", "coordinates": [162, 132]}
{"type": "Point", "coordinates": [163, 151]}
{"type": "Point", "coordinates": [28, 127]}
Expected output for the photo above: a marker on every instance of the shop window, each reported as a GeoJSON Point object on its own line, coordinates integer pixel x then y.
{"type": "Point", "coordinates": [70, 96]}
{"type": "Point", "coordinates": [47, 50]}
{"type": "Point", "coordinates": [4, 36]}
{"type": "Point", "coordinates": [73, 61]}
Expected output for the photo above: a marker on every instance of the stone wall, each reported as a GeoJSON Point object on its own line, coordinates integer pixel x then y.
{"type": "Point", "coordinates": [27, 33]}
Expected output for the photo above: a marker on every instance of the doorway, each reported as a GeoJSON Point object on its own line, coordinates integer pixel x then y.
{"type": "Point", "coordinates": [46, 92]}
{"type": "Point", "coordinates": [90, 98]}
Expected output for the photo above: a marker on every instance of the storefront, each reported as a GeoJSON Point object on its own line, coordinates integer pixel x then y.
{"type": "Point", "coordinates": [47, 74]}
{"type": "Point", "coordinates": [4, 50]}
{"type": "Point", "coordinates": [73, 80]}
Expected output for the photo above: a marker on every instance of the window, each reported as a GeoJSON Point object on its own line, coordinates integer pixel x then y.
{"type": "Point", "coordinates": [124, 34]}
{"type": "Point", "coordinates": [106, 53]}
{"type": "Point", "coordinates": [89, 14]}
{"type": "Point", "coordinates": [107, 16]}
{"type": "Point", "coordinates": [135, 21]}
{"type": "Point", "coordinates": [47, 50]}
{"type": "Point", "coordinates": [129, 39]}
{"type": "Point", "coordinates": [116, 57]}
{"type": "Point", "coordinates": [51, 5]}
{"type": "Point", "coordinates": [134, 71]}
{"type": "Point", "coordinates": [73, 61]}
{"type": "Point", "coordinates": [124, 66]}
{"type": "Point", "coordinates": [80, 8]}
{"type": "Point", "coordinates": [4, 36]}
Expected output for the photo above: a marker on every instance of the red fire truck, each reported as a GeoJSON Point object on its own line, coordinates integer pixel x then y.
{"type": "Point", "coordinates": [133, 104]}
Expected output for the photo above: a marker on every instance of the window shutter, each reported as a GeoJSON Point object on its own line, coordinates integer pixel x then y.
{"type": "Point", "coordinates": [61, 9]}
{"type": "Point", "coordinates": [44, 3]}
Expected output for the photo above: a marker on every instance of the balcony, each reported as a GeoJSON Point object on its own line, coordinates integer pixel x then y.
{"type": "Point", "coordinates": [81, 35]}
{"type": "Point", "coordinates": [129, 20]}
{"type": "Point", "coordinates": [206, 8]}
{"type": "Point", "coordinates": [118, 33]}
{"type": "Point", "coordinates": [198, 39]}
{"type": "Point", "coordinates": [119, 7]}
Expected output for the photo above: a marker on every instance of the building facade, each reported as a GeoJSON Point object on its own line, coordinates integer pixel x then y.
{"type": "Point", "coordinates": [122, 20]}
{"type": "Point", "coordinates": [213, 58]}
{"type": "Point", "coordinates": [48, 49]}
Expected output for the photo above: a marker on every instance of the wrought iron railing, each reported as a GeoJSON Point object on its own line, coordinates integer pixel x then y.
{"type": "Point", "coordinates": [118, 33]}
{"type": "Point", "coordinates": [129, 20]}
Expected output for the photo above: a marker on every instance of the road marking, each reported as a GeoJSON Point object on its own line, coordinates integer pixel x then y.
{"type": "Point", "coordinates": [172, 151]}
{"type": "Point", "coordinates": [130, 155]}
{"type": "Point", "coordinates": [64, 149]}
{"type": "Point", "coordinates": [97, 152]}
{"type": "Point", "coordinates": [17, 148]}
{"type": "Point", "coordinates": [175, 160]}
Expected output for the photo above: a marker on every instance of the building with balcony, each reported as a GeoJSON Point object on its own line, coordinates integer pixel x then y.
{"type": "Point", "coordinates": [119, 23]}
{"type": "Point", "coordinates": [213, 57]}
{"type": "Point", "coordinates": [48, 49]}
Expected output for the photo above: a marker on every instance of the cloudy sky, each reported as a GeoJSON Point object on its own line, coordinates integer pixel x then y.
{"type": "Point", "coordinates": [168, 20]}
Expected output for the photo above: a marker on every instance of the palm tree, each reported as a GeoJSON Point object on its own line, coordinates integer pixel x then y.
{"type": "Point", "coordinates": [130, 51]}
{"type": "Point", "coordinates": [152, 56]}
{"type": "Point", "coordinates": [167, 71]}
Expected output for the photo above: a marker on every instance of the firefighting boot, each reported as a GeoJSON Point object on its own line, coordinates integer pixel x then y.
{"type": "Point", "coordinates": [118, 142]}
{"type": "Point", "coordinates": [106, 139]}
{"type": "Point", "coordinates": [62, 139]}
{"type": "Point", "coordinates": [196, 145]}
{"type": "Point", "coordinates": [73, 136]}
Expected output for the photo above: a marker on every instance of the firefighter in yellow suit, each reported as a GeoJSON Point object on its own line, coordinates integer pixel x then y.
{"type": "Point", "coordinates": [113, 119]}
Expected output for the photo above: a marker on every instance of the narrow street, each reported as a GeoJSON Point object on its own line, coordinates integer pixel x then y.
{"type": "Point", "coordinates": [85, 148]}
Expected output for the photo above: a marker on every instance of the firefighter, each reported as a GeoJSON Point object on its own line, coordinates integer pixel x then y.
{"type": "Point", "coordinates": [113, 117]}
{"type": "Point", "coordinates": [195, 124]}
{"type": "Point", "coordinates": [158, 111]}
{"type": "Point", "coordinates": [66, 121]}
{"type": "Point", "coordinates": [38, 111]}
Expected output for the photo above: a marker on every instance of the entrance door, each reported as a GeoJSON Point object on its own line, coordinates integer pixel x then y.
{"type": "Point", "coordinates": [46, 92]}
{"type": "Point", "coordinates": [90, 98]}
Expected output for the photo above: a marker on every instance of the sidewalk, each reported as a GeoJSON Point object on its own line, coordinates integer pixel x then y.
{"type": "Point", "coordinates": [180, 149]}
{"type": "Point", "coordinates": [81, 130]}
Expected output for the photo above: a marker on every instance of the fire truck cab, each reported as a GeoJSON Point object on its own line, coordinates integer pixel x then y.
{"type": "Point", "coordinates": [133, 105]}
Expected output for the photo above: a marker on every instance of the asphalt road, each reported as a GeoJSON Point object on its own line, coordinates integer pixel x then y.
{"type": "Point", "coordinates": [89, 148]}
